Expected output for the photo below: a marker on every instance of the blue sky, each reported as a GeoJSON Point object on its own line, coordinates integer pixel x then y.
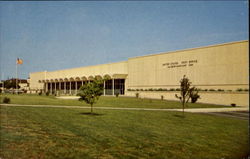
{"type": "Point", "coordinates": [60, 35]}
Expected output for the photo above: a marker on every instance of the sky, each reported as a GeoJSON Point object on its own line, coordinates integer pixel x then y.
{"type": "Point", "coordinates": [62, 34]}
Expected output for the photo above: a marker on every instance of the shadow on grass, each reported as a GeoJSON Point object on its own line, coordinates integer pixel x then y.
{"type": "Point", "coordinates": [91, 114]}
{"type": "Point", "coordinates": [179, 116]}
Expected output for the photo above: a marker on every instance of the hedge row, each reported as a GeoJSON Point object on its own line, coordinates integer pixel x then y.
{"type": "Point", "coordinates": [178, 89]}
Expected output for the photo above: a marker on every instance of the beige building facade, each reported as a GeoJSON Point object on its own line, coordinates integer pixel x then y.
{"type": "Point", "coordinates": [223, 67]}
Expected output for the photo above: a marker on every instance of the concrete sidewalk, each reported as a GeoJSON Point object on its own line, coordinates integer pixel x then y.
{"type": "Point", "coordinates": [192, 110]}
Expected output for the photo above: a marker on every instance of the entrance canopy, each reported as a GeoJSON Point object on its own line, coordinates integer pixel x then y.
{"type": "Point", "coordinates": [85, 78]}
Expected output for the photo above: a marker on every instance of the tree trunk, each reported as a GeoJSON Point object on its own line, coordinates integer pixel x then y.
{"type": "Point", "coordinates": [183, 105]}
{"type": "Point", "coordinates": [183, 109]}
{"type": "Point", "coordinates": [91, 108]}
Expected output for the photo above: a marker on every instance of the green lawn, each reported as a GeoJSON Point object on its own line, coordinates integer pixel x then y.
{"type": "Point", "coordinates": [104, 102]}
{"type": "Point", "coordinates": [72, 133]}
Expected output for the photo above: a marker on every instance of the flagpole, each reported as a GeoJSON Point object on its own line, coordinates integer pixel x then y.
{"type": "Point", "coordinates": [3, 80]}
{"type": "Point", "coordinates": [16, 77]}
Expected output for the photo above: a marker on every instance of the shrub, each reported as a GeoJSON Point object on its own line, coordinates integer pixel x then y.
{"type": "Point", "coordinates": [211, 90]}
{"type": "Point", "coordinates": [6, 100]}
{"type": "Point", "coordinates": [162, 97]}
{"type": "Point", "coordinates": [40, 93]}
{"type": "Point", "coordinates": [229, 90]}
{"type": "Point", "coordinates": [172, 89]}
{"type": "Point", "coordinates": [165, 89]}
{"type": "Point", "coordinates": [47, 93]}
{"type": "Point", "coordinates": [116, 95]}
{"type": "Point", "coordinates": [177, 89]}
{"type": "Point", "coordinates": [239, 89]}
{"type": "Point", "coordinates": [205, 89]}
{"type": "Point", "coordinates": [220, 90]}
{"type": "Point", "coordinates": [150, 89]}
{"type": "Point", "coordinates": [233, 104]}
{"type": "Point", "coordinates": [160, 89]}
{"type": "Point", "coordinates": [246, 90]}
{"type": "Point", "coordinates": [194, 97]}
{"type": "Point", "coordinates": [141, 89]}
{"type": "Point", "coordinates": [129, 89]}
{"type": "Point", "coordinates": [137, 95]}
{"type": "Point", "coordinates": [137, 89]}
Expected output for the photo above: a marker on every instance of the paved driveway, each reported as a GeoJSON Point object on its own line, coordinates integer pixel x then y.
{"type": "Point", "coordinates": [244, 115]}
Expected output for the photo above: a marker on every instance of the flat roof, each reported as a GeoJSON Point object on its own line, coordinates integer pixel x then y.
{"type": "Point", "coordinates": [189, 49]}
{"type": "Point", "coordinates": [83, 66]}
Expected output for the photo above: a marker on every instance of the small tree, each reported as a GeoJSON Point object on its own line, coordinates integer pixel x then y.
{"type": "Point", "coordinates": [91, 92]}
{"type": "Point", "coordinates": [186, 91]}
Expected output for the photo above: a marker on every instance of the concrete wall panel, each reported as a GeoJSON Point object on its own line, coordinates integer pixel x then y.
{"type": "Point", "coordinates": [217, 66]}
{"type": "Point", "coordinates": [221, 98]}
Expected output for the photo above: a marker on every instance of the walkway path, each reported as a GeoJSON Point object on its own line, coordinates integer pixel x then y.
{"type": "Point", "coordinates": [192, 110]}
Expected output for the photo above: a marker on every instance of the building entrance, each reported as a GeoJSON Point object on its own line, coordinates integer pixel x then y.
{"type": "Point", "coordinates": [114, 86]}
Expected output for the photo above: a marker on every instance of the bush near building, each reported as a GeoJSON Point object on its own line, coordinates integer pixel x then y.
{"type": "Point", "coordinates": [6, 100]}
{"type": "Point", "coordinates": [137, 95]}
{"type": "Point", "coordinates": [178, 89]}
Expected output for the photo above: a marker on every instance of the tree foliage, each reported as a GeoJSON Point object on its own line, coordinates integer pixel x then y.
{"type": "Point", "coordinates": [91, 92]}
{"type": "Point", "coordinates": [10, 84]}
{"type": "Point", "coordinates": [187, 92]}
